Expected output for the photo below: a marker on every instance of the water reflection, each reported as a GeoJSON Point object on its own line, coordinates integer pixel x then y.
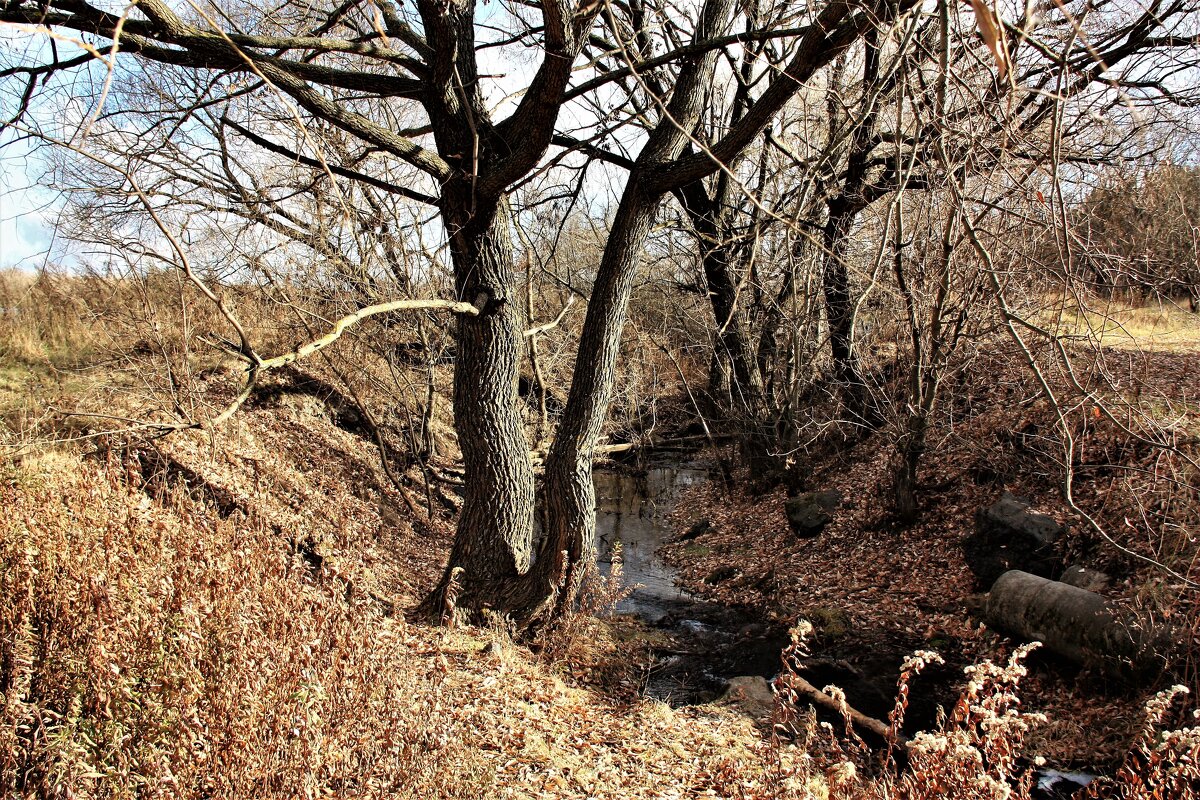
{"type": "Point", "coordinates": [633, 509]}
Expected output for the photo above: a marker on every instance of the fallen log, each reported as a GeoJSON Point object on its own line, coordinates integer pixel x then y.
{"type": "Point", "coordinates": [1074, 623]}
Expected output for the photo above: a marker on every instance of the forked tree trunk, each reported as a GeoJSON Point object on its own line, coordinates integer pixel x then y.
{"type": "Point", "coordinates": [490, 561]}
{"type": "Point", "coordinates": [495, 528]}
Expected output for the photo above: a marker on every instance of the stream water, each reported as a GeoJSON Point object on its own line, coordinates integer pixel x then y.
{"type": "Point", "coordinates": [631, 509]}
{"type": "Point", "coordinates": [702, 644]}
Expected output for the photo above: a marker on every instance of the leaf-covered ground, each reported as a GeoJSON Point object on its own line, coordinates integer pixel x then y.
{"type": "Point", "coordinates": [876, 591]}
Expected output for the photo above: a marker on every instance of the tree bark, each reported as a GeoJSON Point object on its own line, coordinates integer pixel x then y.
{"type": "Point", "coordinates": [844, 209]}
{"type": "Point", "coordinates": [568, 549]}
{"type": "Point", "coordinates": [910, 450]}
{"type": "Point", "coordinates": [489, 565]}
{"type": "Point", "coordinates": [494, 539]}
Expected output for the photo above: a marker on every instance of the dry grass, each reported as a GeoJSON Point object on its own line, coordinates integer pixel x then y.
{"type": "Point", "coordinates": [37, 322]}
{"type": "Point", "coordinates": [1162, 326]}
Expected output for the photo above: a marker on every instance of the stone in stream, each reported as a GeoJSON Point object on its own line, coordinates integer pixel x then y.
{"type": "Point", "coordinates": [751, 694]}
{"type": "Point", "coordinates": [721, 574]}
{"type": "Point", "coordinates": [1010, 535]}
{"type": "Point", "coordinates": [1077, 624]}
{"type": "Point", "coordinates": [809, 512]}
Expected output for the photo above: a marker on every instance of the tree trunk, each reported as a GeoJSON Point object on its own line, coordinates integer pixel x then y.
{"type": "Point", "coordinates": [839, 308]}
{"type": "Point", "coordinates": [568, 549]}
{"type": "Point", "coordinates": [715, 256]}
{"type": "Point", "coordinates": [493, 544]}
{"type": "Point", "coordinates": [909, 451]}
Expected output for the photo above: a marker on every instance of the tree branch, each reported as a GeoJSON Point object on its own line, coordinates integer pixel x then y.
{"type": "Point", "coordinates": [354, 175]}
{"type": "Point", "coordinates": [546, 326]}
{"type": "Point", "coordinates": [345, 322]}
{"type": "Point", "coordinates": [838, 27]}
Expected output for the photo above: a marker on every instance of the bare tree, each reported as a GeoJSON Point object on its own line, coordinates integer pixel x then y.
{"type": "Point", "coordinates": [348, 67]}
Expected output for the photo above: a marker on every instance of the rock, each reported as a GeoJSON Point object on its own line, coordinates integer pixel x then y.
{"type": "Point", "coordinates": [1085, 578]}
{"type": "Point", "coordinates": [752, 694]}
{"type": "Point", "coordinates": [808, 513]}
{"type": "Point", "coordinates": [1076, 624]}
{"type": "Point", "coordinates": [1054, 785]}
{"type": "Point", "coordinates": [1009, 535]}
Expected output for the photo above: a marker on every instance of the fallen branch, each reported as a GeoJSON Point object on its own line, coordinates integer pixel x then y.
{"type": "Point", "coordinates": [818, 698]}
{"type": "Point", "coordinates": [539, 456]}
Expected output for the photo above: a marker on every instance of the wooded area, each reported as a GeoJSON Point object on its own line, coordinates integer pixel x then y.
{"type": "Point", "coordinates": [501, 241]}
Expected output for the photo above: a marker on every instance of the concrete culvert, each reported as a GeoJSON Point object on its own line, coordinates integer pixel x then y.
{"type": "Point", "coordinates": [1076, 624]}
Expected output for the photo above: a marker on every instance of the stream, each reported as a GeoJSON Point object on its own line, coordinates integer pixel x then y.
{"type": "Point", "coordinates": [700, 646]}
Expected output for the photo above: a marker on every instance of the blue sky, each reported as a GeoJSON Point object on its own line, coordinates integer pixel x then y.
{"type": "Point", "coordinates": [26, 210]}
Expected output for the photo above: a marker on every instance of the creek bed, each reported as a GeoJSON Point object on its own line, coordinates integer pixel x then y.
{"type": "Point", "coordinates": [702, 644]}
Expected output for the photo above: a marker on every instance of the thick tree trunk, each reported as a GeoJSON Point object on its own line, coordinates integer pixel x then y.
{"type": "Point", "coordinates": [490, 562]}
{"type": "Point", "coordinates": [493, 545]}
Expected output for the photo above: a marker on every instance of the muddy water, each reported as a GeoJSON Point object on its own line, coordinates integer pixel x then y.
{"type": "Point", "coordinates": [699, 645]}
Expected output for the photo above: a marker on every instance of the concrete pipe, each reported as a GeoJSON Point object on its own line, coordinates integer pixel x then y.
{"type": "Point", "coordinates": [1075, 623]}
